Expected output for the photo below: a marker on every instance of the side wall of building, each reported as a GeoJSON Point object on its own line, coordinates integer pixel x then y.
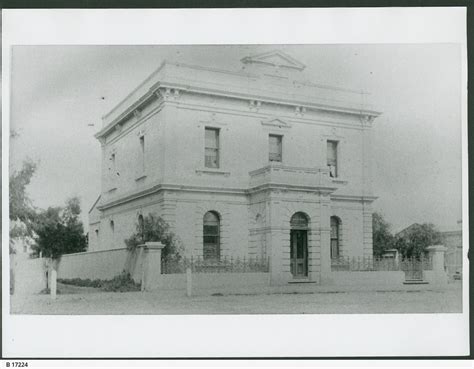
{"type": "Point", "coordinates": [138, 150]}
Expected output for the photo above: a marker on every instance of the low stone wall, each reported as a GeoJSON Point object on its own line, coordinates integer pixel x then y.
{"type": "Point", "coordinates": [438, 279]}
{"type": "Point", "coordinates": [29, 276]}
{"type": "Point", "coordinates": [107, 264]}
{"type": "Point", "coordinates": [103, 264]}
{"type": "Point", "coordinates": [371, 278]}
{"type": "Point", "coordinates": [224, 282]}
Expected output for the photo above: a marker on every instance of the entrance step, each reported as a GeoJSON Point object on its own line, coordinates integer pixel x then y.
{"type": "Point", "coordinates": [415, 281]}
{"type": "Point", "coordinates": [301, 281]}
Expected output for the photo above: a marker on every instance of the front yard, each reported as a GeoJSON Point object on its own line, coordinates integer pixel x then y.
{"type": "Point", "coordinates": [409, 299]}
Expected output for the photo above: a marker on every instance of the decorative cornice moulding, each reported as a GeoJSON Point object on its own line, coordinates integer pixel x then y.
{"type": "Point", "coordinates": [274, 58]}
{"type": "Point", "coordinates": [276, 123]}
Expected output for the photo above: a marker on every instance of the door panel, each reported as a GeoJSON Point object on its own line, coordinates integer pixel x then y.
{"type": "Point", "coordinates": [299, 253]}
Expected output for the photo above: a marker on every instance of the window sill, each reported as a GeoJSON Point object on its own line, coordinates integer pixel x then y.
{"type": "Point", "coordinates": [339, 180]}
{"type": "Point", "coordinates": [212, 171]}
{"type": "Point", "coordinates": [140, 177]}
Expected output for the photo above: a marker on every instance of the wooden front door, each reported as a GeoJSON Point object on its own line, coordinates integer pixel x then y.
{"type": "Point", "coordinates": [299, 253]}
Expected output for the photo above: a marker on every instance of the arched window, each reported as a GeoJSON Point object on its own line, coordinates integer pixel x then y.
{"type": "Point", "coordinates": [299, 221]}
{"type": "Point", "coordinates": [97, 233]}
{"type": "Point", "coordinates": [335, 237]}
{"type": "Point", "coordinates": [211, 236]}
{"type": "Point", "coordinates": [112, 226]}
{"type": "Point", "coordinates": [141, 224]}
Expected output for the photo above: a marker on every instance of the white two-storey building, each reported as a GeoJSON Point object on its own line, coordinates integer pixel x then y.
{"type": "Point", "coordinates": [256, 162]}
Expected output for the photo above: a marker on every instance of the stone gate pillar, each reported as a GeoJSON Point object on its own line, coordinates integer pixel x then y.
{"type": "Point", "coordinates": [151, 265]}
{"type": "Point", "coordinates": [436, 253]}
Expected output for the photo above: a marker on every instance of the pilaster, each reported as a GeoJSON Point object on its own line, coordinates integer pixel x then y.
{"type": "Point", "coordinates": [325, 237]}
{"type": "Point", "coordinates": [367, 228]}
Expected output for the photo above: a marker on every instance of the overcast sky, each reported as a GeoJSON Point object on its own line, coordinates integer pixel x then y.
{"type": "Point", "coordinates": [57, 92]}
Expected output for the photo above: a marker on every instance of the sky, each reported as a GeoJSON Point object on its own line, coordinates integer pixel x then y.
{"type": "Point", "coordinates": [58, 92]}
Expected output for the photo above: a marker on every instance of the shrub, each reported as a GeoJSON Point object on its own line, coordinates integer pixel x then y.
{"type": "Point", "coordinates": [120, 283]}
{"type": "Point", "coordinates": [96, 283]}
{"type": "Point", "coordinates": [153, 228]}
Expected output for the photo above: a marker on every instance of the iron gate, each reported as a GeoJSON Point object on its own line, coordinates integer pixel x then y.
{"type": "Point", "coordinates": [414, 267]}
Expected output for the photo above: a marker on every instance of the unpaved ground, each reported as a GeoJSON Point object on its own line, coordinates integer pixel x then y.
{"type": "Point", "coordinates": [342, 301]}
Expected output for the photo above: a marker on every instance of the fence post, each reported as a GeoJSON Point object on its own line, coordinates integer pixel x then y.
{"type": "Point", "coordinates": [189, 282]}
{"type": "Point", "coordinates": [142, 286]}
{"type": "Point", "coordinates": [53, 289]}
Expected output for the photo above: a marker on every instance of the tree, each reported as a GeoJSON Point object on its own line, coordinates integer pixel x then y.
{"type": "Point", "coordinates": [21, 207]}
{"type": "Point", "coordinates": [22, 212]}
{"type": "Point", "coordinates": [23, 215]}
{"type": "Point", "coordinates": [381, 234]}
{"type": "Point", "coordinates": [154, 228]}
{"type": "Point", "coordinates": [413, 241]}
{"type": "Point", "coordinates": [60, 231]}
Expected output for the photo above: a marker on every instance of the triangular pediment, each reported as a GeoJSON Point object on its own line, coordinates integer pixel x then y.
{"type": "Point", "coordinates": [276, 123]}
{"type": "Point", "coordinates": [274, 58]}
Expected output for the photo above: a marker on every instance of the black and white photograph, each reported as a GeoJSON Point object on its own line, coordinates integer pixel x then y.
{"type": "Point", "coordinates": [178, 180]}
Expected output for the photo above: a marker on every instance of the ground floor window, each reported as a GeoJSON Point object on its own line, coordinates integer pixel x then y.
{"type": "Point", "coordinates": [211, 236]}
{"type": "Point", "coordinates": [335, 231]}
{"type": "Point", "coordinates": [141, 224]}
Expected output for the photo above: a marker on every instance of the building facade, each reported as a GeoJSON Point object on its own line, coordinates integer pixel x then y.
{"type": "Point", "coordinates": [253, 163]}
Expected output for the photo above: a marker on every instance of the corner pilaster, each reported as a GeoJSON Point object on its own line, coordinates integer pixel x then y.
{"type": "Point", "coordinates": [325, 237]}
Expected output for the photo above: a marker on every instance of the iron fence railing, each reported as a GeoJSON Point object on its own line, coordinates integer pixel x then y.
{"type": "Point", "coordinates": [223, 265]}
{"type": "Point", "coordinates": [369, 263]}
{"type": "Point", "coordinates": [423, 263]}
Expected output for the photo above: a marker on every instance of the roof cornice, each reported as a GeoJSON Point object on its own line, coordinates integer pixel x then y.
{"type": "Point", "coordinates": [264, 96]}
{"type": "Point", "coordinates": [271, 99]}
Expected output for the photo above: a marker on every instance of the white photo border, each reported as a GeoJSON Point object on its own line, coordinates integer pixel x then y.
{"type": "Point", "coordinates": [230, 335]}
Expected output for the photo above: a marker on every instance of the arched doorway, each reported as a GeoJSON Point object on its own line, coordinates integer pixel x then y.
{"type": "Point", "coordinates": [299, 245]}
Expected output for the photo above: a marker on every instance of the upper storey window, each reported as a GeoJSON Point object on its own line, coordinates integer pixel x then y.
{"type": "Point", "coordinates": [275, 152]}
{"type": "Point", "coordinates": [332, 158]}
{"type": "Point", "coordinates": [142, 154]}
{"type": "Point", "coordinates": [211, 155]}
{"type": "Point", "coordinates": [113, 168]}
{"type": "Point", "coordinates": [113, 173]}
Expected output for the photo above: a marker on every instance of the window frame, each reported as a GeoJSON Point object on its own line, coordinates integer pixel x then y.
{"type": "Point", "coordinates": [217, 147]}
{"type": "Point", "coordinates": [142, 143]}
{"type": "Point", "coordinates": [337, 238]}
{"type": "Point", "coordinates": [336, 158]}
{"type": "Point", "coordinates": [217, 235]}
{"type": "Point", "coordinates": [280, 138]}
{"type": "Point", "coordinates": [113, 163]}
{"type": "Point", "coordinates": [141, 224]}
